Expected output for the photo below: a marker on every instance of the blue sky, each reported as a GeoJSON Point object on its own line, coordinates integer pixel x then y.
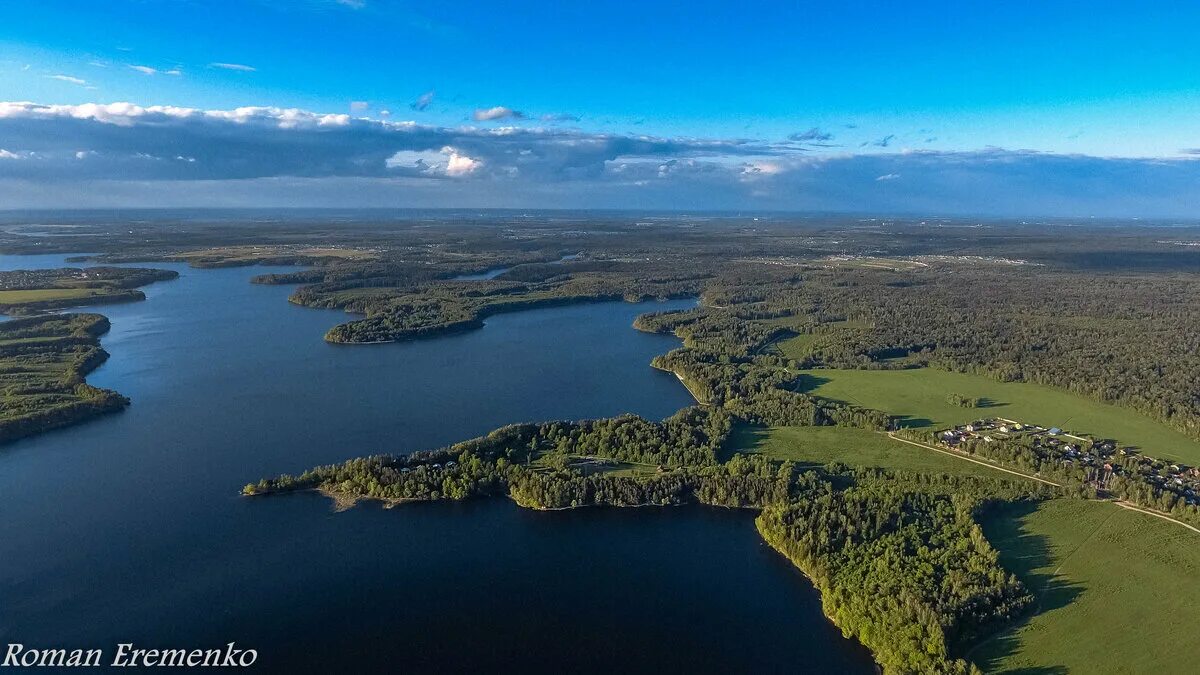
{"type": "Point", "coordinates": [1050, 101]}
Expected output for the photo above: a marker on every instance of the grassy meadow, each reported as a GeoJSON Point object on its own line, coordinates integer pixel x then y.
{"type": "Point", "coordinates": [817, 446]}
{"type": "Point", "coordinates": [1117, 590]}
{"type": "Point", "coordinates": [919, 396]}
{"type": "Point", "coordinates": [22, 296]}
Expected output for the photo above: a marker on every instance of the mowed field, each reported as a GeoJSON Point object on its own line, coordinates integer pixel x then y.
{"type": "Point", "coordinates": [40, 294]}
{"type": "Point", "coordinates": [919, 395]}
{"type": "Point", "coordinates": [817, 446]}
{"type": "Point", "coordinates": [1117, 591]}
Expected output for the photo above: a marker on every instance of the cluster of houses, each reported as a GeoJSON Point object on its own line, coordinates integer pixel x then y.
{"type": "Point", "coordinates": [449, 465]}
{"type": "Point", "coordinates": [16, 280]}
{"type": "Point", "coordinates": [1101, 459]}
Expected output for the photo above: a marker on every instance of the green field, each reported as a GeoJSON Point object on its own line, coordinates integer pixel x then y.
{"type": "Point", "coordinates": [41, 294]}
{"type": "Point", "coordinates": [1117, 590]}
{"type": "Point", "coordinates": [796, 347]}
{"type": "Point", "coordinates": [817, 446]}
{"type": "Point", "coordinates": [919, 396]}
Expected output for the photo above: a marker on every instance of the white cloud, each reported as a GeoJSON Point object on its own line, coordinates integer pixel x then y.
{"type": "Point", "coordinates": [497, 113]}
{"type": "Point", "coordinates": [460, 165]}
{"type": "Point", "coordinates": [762, 168]}
{"type": "Point", "coordinates": [888, 176]}
{"type": "Point", "coordinates": [145, 70]}
{"type": "Point", "coordinates": [359, 106]}
{"type": "Point", "coordinates": [445, 162]}
{"type": "Point", "coordinates": [84, 154]}
{"type": "Point", "coordinates": [68, 78]}
{"type": "Point", "coordinates": [5, 154]}
{"type": "Point", "coordinates": [174, 71]}
{"type": "Point", "coordinates": [233, 66]}
{"type": "Point", "coordinates": [188, 151]}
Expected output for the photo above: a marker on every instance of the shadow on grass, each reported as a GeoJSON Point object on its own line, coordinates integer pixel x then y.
{"type": "Point", "coordinates": [1030, 558]}
{"type": "Point", "coordinates": [806, 383]}
{"type": "Point", "coordinates": [747, 438]}
{"type": "Point", "coordinates": [910, 422]}
{"type": "Point", "coordinates": [990, 403]}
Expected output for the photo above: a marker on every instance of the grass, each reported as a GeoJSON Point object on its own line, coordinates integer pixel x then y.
{"type": "Point", "coordinates": [817, 446]}
{"type": "Point", "coordinates": [797, 347]}
{"type": "Point", "coordinates": [1117, 590]}
{"type": "Point", "coordinates": [41, 294]}
{"type": "Point", "coordinates": [919, 397]}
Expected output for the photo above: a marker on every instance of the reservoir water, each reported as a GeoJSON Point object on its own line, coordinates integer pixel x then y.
{"type": "Point", "coordinates": [129, 528]}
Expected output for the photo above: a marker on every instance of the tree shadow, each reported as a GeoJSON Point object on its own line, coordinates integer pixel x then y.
{"type": "Point", "coordinates": [747, 438]}
{"type": "Point", "coordinates": [1030, 557]}
{"type": "Point", "coordinates": [910, 422]}
{"type": "Point", "coordinates": [806, 383]}
{"type": "Point", "coordinates": [985, 402]}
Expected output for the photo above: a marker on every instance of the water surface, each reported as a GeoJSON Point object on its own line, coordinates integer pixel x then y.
{"type": "Point", "coordinates": [129, 527]}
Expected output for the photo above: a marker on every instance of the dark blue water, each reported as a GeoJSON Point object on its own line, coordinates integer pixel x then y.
{"type": "Point", "coordinates": [129, 528]}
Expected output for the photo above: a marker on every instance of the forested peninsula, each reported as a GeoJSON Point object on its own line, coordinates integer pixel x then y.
{"type": "Point", "coordinates": [43, 362]}
{"type": "Point", "coordinates": [44, 358]}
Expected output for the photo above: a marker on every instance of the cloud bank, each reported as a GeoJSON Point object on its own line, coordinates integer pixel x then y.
{"type": "Point", "coordinates": [123, 154]}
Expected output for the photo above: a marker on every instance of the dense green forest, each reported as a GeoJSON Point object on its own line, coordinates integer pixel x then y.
{"type": "Point", "coordinates": [43, 361]}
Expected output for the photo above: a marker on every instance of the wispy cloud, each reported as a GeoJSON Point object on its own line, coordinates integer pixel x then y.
{"type": "Point", "coordinates": [887, 176]}
{"type": "Point", "coordinates": [423, 101]}
{"type": "Point", "coordinates": [359, 106]}
{"type": "Point", "coordinates": [559, 117]}
{"type": "Point", "coordinates": [497, 113]}
{"type": "Point", "coordinates": [145, 70]}
{"type": "Point", "coordinates": [813, 134]}
{"type": "Point", "coordinates": [352, 4]}
{"type": "Point", "coordinates": [881, 143]}
{"type": "Point", "coordinates": [240, 67]}
{"type": "Point", "coordinates": [68, 78]}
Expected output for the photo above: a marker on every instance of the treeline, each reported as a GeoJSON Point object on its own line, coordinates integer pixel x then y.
{"type": "Point", "coordinates": [764, 395]}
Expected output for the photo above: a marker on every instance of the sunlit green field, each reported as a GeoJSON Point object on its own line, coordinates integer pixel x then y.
{"type": "Point", "coordinates": [919, 396]}
{"type": "Point", "coordinates": [1117, 589]}
{"type": "Point", "coordinates": [817, 446]}
{"type": "Point", "coordinates": [40, 294]}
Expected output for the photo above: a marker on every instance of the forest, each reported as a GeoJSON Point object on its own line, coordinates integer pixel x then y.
{"type": "Point", "coordinates": [43, 362]}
